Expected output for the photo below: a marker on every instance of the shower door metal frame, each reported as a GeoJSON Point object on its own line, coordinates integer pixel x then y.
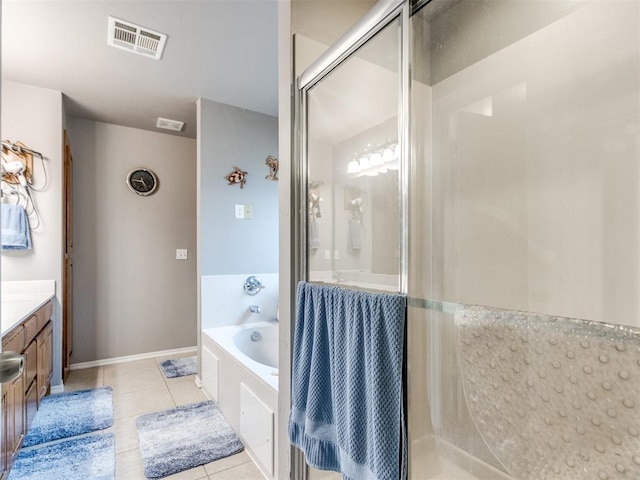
{"type": "Point", "coordinates": [381, 15]}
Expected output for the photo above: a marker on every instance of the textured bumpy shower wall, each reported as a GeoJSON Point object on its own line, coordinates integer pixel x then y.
{"type": "Point", "coordinates": [525, 199]}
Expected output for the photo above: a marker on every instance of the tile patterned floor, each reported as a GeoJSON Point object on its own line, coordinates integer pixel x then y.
{"type": "Point", "coordinates": [140, 387]}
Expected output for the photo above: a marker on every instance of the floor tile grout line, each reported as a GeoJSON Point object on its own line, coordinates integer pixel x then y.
{"type": "Point", "coordinates": [229, 468]}
{"type": "Point", "coordinates": [164, 378]}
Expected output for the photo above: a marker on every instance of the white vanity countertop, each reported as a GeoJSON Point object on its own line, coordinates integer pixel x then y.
{"type": "Point", "coordinates": [20, 299]}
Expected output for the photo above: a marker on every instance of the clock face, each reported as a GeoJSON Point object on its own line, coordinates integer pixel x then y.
{"type": "Point", "coordinates": [142, 181]}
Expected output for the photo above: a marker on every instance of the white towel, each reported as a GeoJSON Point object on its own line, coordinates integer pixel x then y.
{"type": "Point", "coordinates": [14, 229]}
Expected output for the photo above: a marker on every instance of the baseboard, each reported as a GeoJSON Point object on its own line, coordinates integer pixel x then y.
{"type": "Point", "coordinates": [57, 389]}
{"type": "Point", "coordinates": [129, 358]}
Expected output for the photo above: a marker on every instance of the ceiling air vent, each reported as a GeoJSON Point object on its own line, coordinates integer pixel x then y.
{"type": "Point", "coordinates": [168, 124]}
{"type": "Point", "coordinates": [136, 39]}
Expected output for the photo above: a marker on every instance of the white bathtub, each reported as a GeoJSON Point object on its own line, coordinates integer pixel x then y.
{"type": "Point", "coordinates": [259, 343]}
{"type": "Point", "coordinates": [259, 356]}
{"type": "Point", "coordinates": [241, 375]}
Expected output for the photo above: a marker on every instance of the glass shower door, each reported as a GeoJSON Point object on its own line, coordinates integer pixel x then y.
{"type": "Point", "coordinates": [351, 156]}
{"type": "Point", "coordinates": [524, 325]}
{"type": "Point", "coordinates": [353, 161]}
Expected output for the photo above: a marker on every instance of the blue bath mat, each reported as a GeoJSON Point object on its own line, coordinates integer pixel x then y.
{"type": "Point", "coordinates": [184, 437]}
{"type": "Point", "coordinates": [90, 457]}
{"type": "Point", "coordinates": [70, 414]}
{"type": "Point", "coordinates": [179, 367]}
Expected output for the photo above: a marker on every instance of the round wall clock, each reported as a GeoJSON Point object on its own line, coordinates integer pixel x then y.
{"type": "Point", "coordinates": [142, 181]}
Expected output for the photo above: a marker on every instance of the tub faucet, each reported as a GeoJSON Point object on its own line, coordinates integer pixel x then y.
{"type": "Point", "coordinates": [252, 285]}
{"type": "Point", "coordinates": [254, 308]}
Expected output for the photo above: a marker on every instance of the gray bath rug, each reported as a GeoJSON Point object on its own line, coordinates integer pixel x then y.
{"type": "Point", "coordinates": [184, 437]}
{"type": "Point", "coordinates": [81, 458]}
{"type": "Point", "coordinates": [179, 367]}
{"type": "Point", "coordinates": [70, 414]}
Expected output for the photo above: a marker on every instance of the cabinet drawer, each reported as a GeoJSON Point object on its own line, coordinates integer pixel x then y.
{"type": "Point", "coordinates": [44, 315]}
{"type": "Point", "coordinates": [14, 341]}
{"type": "Point", "coordinates": [30, 329]}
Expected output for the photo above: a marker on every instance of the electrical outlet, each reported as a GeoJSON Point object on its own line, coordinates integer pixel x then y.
{"type": "Point", "coordinates": [327, 254]}
{"type": "Point", "coordinates": [182, 254]}
{"type": "Point", "coordinates": [248, 211]}
{"type": "Point", "coordinates": [239, 211]}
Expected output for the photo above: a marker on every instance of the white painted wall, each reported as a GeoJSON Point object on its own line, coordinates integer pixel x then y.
{"type": "Point", "coordinates": [35, 117]}
{"type": "Point", "coordinates": [131, 295]}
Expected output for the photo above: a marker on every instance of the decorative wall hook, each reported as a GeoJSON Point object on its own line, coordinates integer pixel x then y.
{"type": "Point", "coordinates": [237, 176]}
{"type": "Point", "coordinates": [274, 166]}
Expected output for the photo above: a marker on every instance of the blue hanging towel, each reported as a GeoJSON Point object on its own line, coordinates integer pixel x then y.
{"type": "Point", "coordinates": [347, 410]}
{"type": "Point", "coordinates": [15, 233]}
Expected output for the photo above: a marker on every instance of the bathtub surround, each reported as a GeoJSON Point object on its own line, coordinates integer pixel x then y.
{"type": "Point", "coordinates": [180, 367]}
{"type": "Point", "coordinates": [224, 301]}
{"type": "Point", "coordinates": [347, 388]}
{"type": "Point", "coordinates": [246, 391]}
{"type": "Point", "coordinates": [70, 414]}
{"type": "Point", "coordinates": [184, 437]}
{"type": "Point", "coordinates": [91, 457]}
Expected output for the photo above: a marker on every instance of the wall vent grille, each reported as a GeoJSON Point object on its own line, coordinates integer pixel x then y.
{"type": "Point", "coordinates": [136, 39]}
{"type": "Point", "coordinates": [169, 124]}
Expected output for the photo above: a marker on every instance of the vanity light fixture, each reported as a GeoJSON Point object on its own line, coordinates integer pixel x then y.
{"type": "Point", "coordinates": [375, 161]}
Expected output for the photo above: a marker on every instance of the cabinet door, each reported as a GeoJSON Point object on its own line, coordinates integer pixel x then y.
{"type": "Point", "coordinates": [45, 360]}
{"type": "Point", "coordinates": [4, 451]}
{"type": "Point", "coordinates": [31, 404]}
{"type": "Point", "coordinates": [15, 397]}
{"type": "Point", "coordinates": [31, 362]}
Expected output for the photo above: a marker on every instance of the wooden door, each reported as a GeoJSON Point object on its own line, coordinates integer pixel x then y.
{"type": "Point", "coordinates": [67, 303]}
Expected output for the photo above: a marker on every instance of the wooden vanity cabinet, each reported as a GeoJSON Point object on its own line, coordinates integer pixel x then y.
{"type": "Point", "coordinates": [21, 398]}
{"type": "Point", "coordinates": [31, 384]}
{"type": "Point", "coordinates": [45, 360]}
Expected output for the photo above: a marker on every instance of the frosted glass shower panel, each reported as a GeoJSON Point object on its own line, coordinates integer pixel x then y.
{"type": "Point", "coordinates": [353, 158]}
{"type": "Point", "coordinates": [524, 233]}
{"type": "Point", "coordinates": [535, 148]}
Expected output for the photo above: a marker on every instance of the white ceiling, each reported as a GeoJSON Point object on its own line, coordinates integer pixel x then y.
{"type": "Point", "coordinates": [222, 50]}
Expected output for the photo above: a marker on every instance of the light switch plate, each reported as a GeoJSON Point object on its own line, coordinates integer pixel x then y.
{"type": "Point", "coordinates": [239, 211]}
{"type": "Point", "coordinates": [182, 254]}
{"type": "Point", "coordinates": [248, 211]}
